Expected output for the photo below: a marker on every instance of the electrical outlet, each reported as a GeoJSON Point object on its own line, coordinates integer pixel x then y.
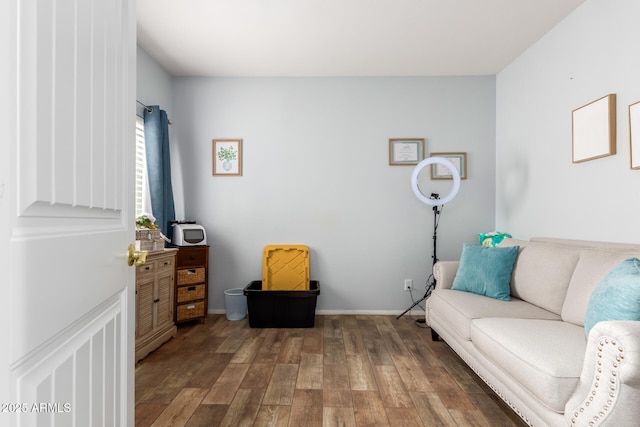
{"type": "Point", "coordinates": [408, 284]}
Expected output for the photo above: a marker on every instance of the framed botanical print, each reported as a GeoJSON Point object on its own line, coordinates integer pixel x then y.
{"type": "Point", "coordinates": [227, 157]}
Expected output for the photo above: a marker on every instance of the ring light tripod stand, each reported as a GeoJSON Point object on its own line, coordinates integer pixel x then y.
{"type": "Point", "coordinates": [437, 203]}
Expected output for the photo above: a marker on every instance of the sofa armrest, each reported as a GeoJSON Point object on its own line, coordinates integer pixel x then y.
{"type": "Point", "coordinates": [609, 388]}
{"type": "Point", "coordinates": [444, 273]}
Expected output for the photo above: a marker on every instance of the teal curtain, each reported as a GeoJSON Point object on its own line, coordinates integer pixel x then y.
{"type": "Point", "coordinates": [156, 136]}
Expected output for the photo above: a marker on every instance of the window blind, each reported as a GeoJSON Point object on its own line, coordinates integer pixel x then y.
{"type": "Point", "coordinates": [141, 166]}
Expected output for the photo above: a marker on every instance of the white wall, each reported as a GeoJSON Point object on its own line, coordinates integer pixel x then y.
{"type": "Point", "coordinates": [539, 191]}
{"type": "Point", "coordinates": [155, 87]}
{"type": "Point", "coordinates": [316, 172]}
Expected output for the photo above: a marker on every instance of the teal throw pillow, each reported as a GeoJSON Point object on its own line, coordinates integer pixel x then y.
{"type": "Point", "coordinates": [485, 270]}
{"type": "Point", "coordinates": [617, 296]}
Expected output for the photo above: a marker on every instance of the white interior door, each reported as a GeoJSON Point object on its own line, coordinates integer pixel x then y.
{"type": "Point", "coordinates": [67, 79]}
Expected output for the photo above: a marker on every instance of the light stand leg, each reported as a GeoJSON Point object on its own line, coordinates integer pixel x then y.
{"type": "Point", "coordinates": [431, 281]}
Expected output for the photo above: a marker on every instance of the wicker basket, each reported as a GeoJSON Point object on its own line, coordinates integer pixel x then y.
{"type": "Point", "coordinates": [190, 293]}
{"type": "Point", "coordinates": [190, 311]}
{"type": "Point", "coordinates": [148, 234]}
{"type": "Point", "coordinates": [150, 245]}
{"type": "Point", "coordinates": [190, 275]}
{"type": "Point", "coordinates": [149, 240]}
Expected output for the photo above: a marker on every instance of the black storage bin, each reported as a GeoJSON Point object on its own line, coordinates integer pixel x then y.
{"type": "Point", "coordinates": [281, 309]}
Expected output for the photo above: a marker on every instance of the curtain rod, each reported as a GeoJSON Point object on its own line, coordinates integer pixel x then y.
{"type": "Point", "coordinates": [149, 109]}
{"type": "Point", "coordinates": [144, 105]}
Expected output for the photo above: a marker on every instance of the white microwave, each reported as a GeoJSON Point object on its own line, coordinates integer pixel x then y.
{"type": "Point", "coordinates": [188, 235]}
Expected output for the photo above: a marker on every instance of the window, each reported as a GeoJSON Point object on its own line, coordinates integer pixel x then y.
{"type": "Point", "coordinates": [141, 167]}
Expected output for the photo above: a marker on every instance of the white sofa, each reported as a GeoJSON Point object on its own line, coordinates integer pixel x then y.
{"type": "Point", "coordinates": [532, 350]}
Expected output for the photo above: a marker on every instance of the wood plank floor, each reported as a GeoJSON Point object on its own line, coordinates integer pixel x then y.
{"type": "Point", "coordinates": [346, 371]}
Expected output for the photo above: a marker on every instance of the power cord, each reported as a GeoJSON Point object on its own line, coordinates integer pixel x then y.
{"type": "Point", "coordinates": [429, 285]}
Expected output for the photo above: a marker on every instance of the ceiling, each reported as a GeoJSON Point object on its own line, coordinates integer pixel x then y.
{"type": "Point", "coordinates": [343, 37]}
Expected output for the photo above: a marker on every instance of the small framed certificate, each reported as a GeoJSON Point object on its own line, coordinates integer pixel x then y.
{"type": "Point", "coordinates": [406, 151]}
{"type": "Point", "coordinates": [459, 160]}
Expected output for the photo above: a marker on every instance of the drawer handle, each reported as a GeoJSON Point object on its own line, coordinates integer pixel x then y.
{"type": "Point", "coordinates": [156, 300]}
{"type": "Point", "coordinates": [191, 288]}
{"type": "Point", "coordinates": [192, 271]}
{"type": "Point", "coordinates": [191, 306]}
{"type": "Point", "coordinates": [147, 268]}
{"type": "Point", "coordinates": [167, 263]}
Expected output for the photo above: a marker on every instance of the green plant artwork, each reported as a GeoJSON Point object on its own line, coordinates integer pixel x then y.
{"type": "Point", "coordinates": [227, 154]}
{"type": "Point", "coordinates": [227, 157]}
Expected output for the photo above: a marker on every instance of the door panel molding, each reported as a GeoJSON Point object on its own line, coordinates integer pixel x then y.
{"type": "Point", "coordinates": [70, 95]}
{"type": "Point", "coordinates": [79, 371]}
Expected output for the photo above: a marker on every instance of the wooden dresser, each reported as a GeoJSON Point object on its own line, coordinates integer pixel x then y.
{"type": "Point", "coordinates": [155, 301]}
{"type": "Point", "coordinates": [192, 284]}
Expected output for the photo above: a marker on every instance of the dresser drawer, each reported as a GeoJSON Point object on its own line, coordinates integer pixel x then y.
{"type": "Point", "coordinates": [190, 293]}
{"type": "Point", "coordinates": [191, 257]}
{"type": "Point", "coordinates": [190, 311]}
{"type": "Point", "coordinates": [159, 264]}
{"type": "Point", "coordinates": [164, 265]}
{"type": "Point", "coordinates": [148, 268]}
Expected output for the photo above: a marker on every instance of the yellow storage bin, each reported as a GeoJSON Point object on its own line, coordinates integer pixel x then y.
{"type": "Point", "coordinates": [285, 268]}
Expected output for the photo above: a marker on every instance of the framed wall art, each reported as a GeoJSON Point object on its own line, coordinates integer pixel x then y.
{"type": "Point", "coordinates": [634, 134]}
{"type": "Point", "coordinates": [594, 129]}
{"type": "Point", "coordinates": [406, 151]}
{"type": "Point", "coordinates": [227, 157]}
{"type": "Point", "coordinates": [459, 160]}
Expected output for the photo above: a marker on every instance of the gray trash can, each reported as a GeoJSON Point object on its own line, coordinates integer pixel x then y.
{"type": "Point", "coordinates": [235, 304]}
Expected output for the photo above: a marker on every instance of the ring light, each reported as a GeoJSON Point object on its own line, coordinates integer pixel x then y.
{"type": "Point", "coordinates": [454, 173]}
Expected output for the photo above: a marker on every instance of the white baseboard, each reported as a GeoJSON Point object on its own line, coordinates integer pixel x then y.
{"type": "Point", "coordinates": [360, 312]}
{"type": "Point", "coordinates": [416, 312]}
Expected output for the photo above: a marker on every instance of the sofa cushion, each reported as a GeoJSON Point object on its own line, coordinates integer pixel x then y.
{"type": "Point", "coordinates": [617, 297]}
{"type": "Point", "coordinates": [589, 244]}
{"type": "Point", "coordinates": [592, 267]}
{"type": "Point", "coordinates": [544, 356]}
{"type": "Point", "coordinates": [486, 271]}
{"type": "Point", "coordinates": [542, 272]}
{"type": "Point", "coordinates": [458, 309]}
